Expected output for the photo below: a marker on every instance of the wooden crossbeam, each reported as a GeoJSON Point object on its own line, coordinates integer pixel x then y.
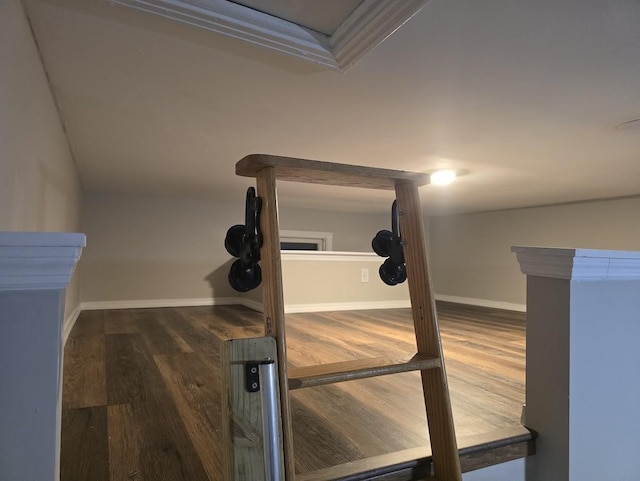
{"type": "Point", "coordinates": [334, 372]}
{"type": "Point", "coordinates": [328, 173]}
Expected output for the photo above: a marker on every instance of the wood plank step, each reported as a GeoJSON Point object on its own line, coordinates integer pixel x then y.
{"type": "Point", "coordinates": [328, 173]}
{"type": "Point", "coordinates": [334, 372]}
{"type": "Point", "coordinates": [476, 452]}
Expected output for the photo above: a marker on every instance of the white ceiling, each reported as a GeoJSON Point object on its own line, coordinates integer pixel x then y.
{"type": "Point", "coordinates": [522, 97]}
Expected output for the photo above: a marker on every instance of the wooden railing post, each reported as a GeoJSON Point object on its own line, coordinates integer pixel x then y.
{"type": "Point", "coordinates": [436, 393]}
{"type": "Point", "coordinates": [583, 325]}
{"type": "Point", "coordinates": [273, 301]}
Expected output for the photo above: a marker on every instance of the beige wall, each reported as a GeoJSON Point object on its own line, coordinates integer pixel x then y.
{"type": "Point", "coordinates": [144, 247]}
{"type": "Point", "coordinates": [158, 248]}
{"type": "Point", "coordinates": [333, 284]}
{"type": "Point", "coordinates": [326, 282]}
{"type": "Point", "coordinates": [39, 186]}
{"type": "Point", "coordinates": [352, 231]}
{"type": "Point", "coordinates": [153, 247]}
{"type": "Point", "coordinates": [471, 255]}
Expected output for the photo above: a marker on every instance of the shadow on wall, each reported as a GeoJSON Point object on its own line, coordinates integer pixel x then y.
{"type": "Point", "coordinates": [218, 279]}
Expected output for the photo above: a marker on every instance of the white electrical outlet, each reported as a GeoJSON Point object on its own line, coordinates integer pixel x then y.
{"type": "Point", "coordinates": [364, 275]}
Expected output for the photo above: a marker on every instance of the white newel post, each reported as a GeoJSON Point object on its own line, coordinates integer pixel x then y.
{"type": "Point", "coordinates": [35, 268]}
{"type": "Point", "coordinates": [583, 363]}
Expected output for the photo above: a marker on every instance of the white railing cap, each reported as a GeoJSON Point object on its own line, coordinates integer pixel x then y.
{"type": "Point", "coordinates": [38, 260]}
{"type": "Point", "coordinates": [578, 264]}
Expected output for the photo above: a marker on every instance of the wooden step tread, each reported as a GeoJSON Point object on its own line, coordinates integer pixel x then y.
{"type": "Point", "coordinates": [476, 452]}
{"type": "Point", "coordinates": [329, 173]}
{"type": "Point", "coordinates": [334, 372]}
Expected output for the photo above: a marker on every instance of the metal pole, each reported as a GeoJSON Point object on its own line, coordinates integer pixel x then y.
{"type": "Point", "coordinates": [270, 416]}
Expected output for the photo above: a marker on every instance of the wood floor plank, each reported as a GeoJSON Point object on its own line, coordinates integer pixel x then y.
{"type": "Point", "coordinates": [182, 345]}
{"type": "Point", "coordinates": [124, 321]}
{"type": "Point", "coordinates": [382, 399]}
{"type": "Point", "coordinates": [194, 387]}
{"type": "Point", "coordinates": [369, 431]}
{"type": "Point", "coordinates": [160, 376]}
{"type": "Point", "coordinates": [84, 381]}
{"type": "Point", "coordinates": [132, 376]}
{"type": "Point", "coordinates": [158, 339]}
{"type": "Point", "coordinates": [312, 436]}
{"type": "Point", "coordinates": [90, 323]}
{"type": "Point", "coordinates": [147, 441]}
{"type": "Point", "coordinates": [84, 430]}
{"type": "Point", "coordinates": [190, 323]}
{"type": "Point", "coordinates": [125, 443]}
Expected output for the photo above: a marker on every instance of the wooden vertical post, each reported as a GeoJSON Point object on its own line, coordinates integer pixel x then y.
{"type": "Point", "coordinates": [242, 428]}
{"type": "Point", "coordinates": [434, 381]}
{"type": "Point", "coordinates": [273, 300]}
{"type": "Point", "coordinates": [583, 313]}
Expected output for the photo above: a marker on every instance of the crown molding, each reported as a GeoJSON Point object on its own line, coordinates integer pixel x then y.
{"type": "Point", "coordinates": [368, 26]}
{"type": "Point", "coordinates": [38, 260]}
{"type": "Point", "coordinates": [578, 264]}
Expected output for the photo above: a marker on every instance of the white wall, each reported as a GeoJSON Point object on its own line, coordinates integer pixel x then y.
{"type": "Point", "coordinates": [154, 248]}
{"type": "Point", "coordinates": [39, 186]}
{"type": "Point", "coordinates": [471, 255]}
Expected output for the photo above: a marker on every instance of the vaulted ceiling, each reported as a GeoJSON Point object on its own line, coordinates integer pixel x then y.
{"type": "Point", "coordinates": [523, 98]}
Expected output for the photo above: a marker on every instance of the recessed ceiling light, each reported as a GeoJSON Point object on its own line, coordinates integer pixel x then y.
{"type": "Point", "coordinates": [443, 177]}
{"type": "Point", "coordinates": [630, 125]}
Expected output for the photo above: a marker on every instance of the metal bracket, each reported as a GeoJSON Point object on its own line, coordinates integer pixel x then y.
{"type": "Point", "coordinates": [252, 374]}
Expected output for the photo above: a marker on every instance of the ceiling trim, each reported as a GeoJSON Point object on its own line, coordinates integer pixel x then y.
{"type": "Point", "coordinates": [367, 26]}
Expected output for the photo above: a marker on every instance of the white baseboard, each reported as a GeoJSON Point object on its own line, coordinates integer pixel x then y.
{"type": "Point", "coordinates": [251, 304]}
{"type": "Point", "coordinates": [345, 306]}
{"type": "Point", "coordinates": [330, 306]}
{"type": "Point", "coordinates": [509, 306]}
{"type": "Point", "coordinates": [146, 303]}
{"type": "Point", "coordinates": [69, 322]}
{"type": "Point", "coordinates": [289, 308]}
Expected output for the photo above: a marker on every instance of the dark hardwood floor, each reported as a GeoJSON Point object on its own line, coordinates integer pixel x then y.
{"type": "Point", "coordinates": [141, 398]}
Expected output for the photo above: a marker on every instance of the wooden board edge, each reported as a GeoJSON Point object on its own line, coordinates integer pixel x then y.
{"type": "Point", "coordinates": [226, 413]}
{"type": "Point", "coordinates": [405, 465]}
{"type": "Point", "coordinates": [328, 173]}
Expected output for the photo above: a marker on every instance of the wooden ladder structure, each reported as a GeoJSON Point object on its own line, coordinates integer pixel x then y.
{"type": "Point", "coordinates": [428, 359]}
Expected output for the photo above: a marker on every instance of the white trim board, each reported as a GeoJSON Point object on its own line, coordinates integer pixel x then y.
{"type": "Point", "coordinates": [345, 306]}
{"type": "Point", "coordinates": [578, 264]}
{"type": "Point", "coordinates": [363, 305]}
{"type": "Point", "coordinates": [325, 238]}
{"type": "Point", "coordinates": [38, 260]}
{"type": "Point", "coordinates": [149, 303]}
{"type": "Point", "coordinates": [251, 304]}
{"type": "Point", "coordinates": [69, 322]}
{"type": "Point", "coordinates": [331, 306]}
{"type": "Point", "coordinates": [471, 301]}
{"type": "Point", "coordinates": [330, 256]}
{"type": "Point", "coordinates": [290, 308]}
{"type": "Point", "coordinates": [365, 28]}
